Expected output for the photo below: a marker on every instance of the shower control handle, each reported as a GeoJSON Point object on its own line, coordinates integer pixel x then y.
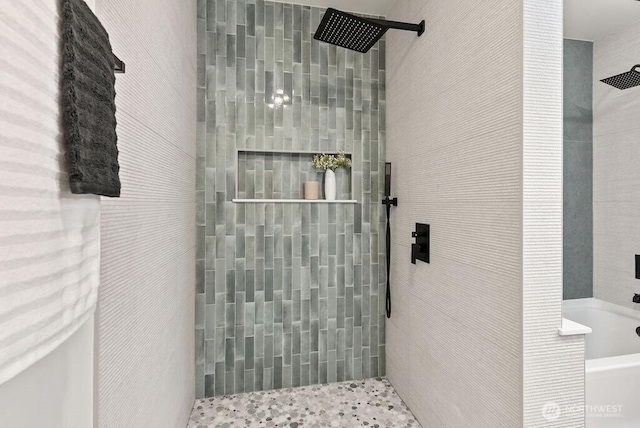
{"type": "Point", "coordinates": [420, 250]}
{"type": "Point", "coordinates": [636, 298]}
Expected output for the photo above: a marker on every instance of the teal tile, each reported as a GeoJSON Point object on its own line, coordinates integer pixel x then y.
{"type": "Point", "coordinates": [287, 294]}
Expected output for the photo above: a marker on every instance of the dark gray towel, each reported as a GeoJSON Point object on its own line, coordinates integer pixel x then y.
{"type": "Point", "coordinates": [88, 102]}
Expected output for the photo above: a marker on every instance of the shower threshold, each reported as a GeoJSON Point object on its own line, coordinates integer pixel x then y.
{"type": "Point", "coordinates": [367, 403]}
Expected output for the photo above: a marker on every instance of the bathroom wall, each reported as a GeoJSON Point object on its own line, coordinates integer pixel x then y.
{"type": "Point", "coordinates": [553, 367]}
{"type": "Point", "coordinates": [60, 380]}
{"type": "Point", "coordinates": [616, 176]}
{"type": "Point", "coordinates": [578, 169]}
{"type": "Point", "coordinates": [287, 294]}
{"type": "Point", "coordinates": [146, 308]}
{"type": "Point", "coordinates": [475, 137]}
{"type": "Point", "coordinates": [61, 383]}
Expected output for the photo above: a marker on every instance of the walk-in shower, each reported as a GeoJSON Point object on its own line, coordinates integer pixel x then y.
{"type": "Point", "coordinates": [355, 32]}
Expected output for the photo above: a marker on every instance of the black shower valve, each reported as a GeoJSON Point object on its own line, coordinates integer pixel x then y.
{"type": "Point", "coordinates": [636, 298]}
{"type": "Point", "coordinates": [420, 250]}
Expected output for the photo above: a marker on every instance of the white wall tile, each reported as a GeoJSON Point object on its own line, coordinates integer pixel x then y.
{"type": "Point", "coordinates": [456, 170]}
{"type": "Point", "coordinates": [553, 366]}
{"type": "Point", "coordinates": [146, 307]}
{"type": "Point", "coordinates": [455, 138]}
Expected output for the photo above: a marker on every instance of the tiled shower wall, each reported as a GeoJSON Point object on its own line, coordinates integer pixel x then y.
{"type": "Point", "coordinates": [283, 176]}
{"type": "Point", "coordinates": [144, 349]}
{"type": "Point", "coordinates": [287, 294]}
{"type": "Point", "coordinates": [475, 115]}
{"type": "Point", "coordinates": [577, 228]}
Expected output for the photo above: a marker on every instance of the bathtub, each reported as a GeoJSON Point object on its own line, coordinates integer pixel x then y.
{"type": "Point", "coordinates": [612, 362]}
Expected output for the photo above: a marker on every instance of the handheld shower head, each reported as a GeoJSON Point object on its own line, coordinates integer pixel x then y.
{"type": "Point", "coordinates": [355, 32]}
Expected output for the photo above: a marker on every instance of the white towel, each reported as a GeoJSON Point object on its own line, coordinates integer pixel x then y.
{"type": "Point", "coordinates": [49, 238]}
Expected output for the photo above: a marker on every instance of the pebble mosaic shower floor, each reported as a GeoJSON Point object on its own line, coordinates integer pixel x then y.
{"type": "Point", "coordinates": [368, 403]}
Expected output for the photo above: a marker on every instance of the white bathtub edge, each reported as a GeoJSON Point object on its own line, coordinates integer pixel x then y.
{"type": "Point", "coordinates": [572, 328]}
{"type": "Point", "coordinates": [611, 363]}
{"type": "Point", "coordinates": [592, 302]}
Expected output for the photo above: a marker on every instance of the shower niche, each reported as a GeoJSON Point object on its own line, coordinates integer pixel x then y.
{"type": "Point", "coordinates": [266, 175]}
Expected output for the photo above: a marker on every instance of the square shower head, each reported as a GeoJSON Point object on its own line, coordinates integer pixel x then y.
{"type": "Point", "coordinates": [349, 31]}
{"type": "Point", "coordinates": [626, 80]}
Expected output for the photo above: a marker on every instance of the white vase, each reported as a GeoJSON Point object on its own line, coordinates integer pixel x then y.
{"type": "Point", "coordinates": [330, 185]}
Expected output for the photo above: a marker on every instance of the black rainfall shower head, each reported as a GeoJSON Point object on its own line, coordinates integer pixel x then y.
{"type": "Point", "coordinates": [349, 31]}
{"type": "Point", "coordinates": [625, 80]}
{"type": "Point", "coordinates": [355, 32]}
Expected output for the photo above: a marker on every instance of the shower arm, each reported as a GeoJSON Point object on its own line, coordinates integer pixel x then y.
{"type": "Point", "coordinates": [419, 28]}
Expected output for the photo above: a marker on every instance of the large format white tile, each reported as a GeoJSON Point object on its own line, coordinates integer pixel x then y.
{"type": "Point", "coordinates": [456, 142]}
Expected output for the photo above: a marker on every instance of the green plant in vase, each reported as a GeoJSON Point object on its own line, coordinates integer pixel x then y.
{"type": "Point", "coordinates": [330, 163]}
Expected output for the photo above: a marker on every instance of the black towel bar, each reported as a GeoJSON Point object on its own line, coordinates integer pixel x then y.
{"type": "Point", "coordinates": [118, 65]}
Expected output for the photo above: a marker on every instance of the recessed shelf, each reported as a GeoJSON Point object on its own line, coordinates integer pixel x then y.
{"type": "Point", "coordinates": [281, 173]}
{"type": "Point", "coordinates": [292, 152]}
{"type": "Point", "coordinates": [293, 201]}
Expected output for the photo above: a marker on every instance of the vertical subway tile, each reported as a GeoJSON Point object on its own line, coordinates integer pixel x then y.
{"type": "Point", "coordinates": [277, 373]}
{"type": "Point", "coordinates": [200, 382]}
{"type": "Point", "coordinates": [239, 377]}
{"type": "Point", "coordinates": [249, 382]}
{"type": "Point", "coordinates": [209, 385]}
{"type": "Point", "coordinates": [229, 381]}
{"type": "Point", "coordinates": [269, 19]}
{"type": "Point", "coordinates": [250, 19]}
{"type": "Point", "coordinates": [219, 380]}
{"type": "Point", "coordinates": [288, 295]}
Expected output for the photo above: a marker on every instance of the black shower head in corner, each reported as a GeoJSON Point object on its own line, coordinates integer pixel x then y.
{"type": "Point", "coordinates": [626, 80]}
{"type": "Point", "coordinates": [357, 33]}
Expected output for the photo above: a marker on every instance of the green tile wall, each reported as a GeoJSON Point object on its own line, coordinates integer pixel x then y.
{"type": "Point", "coordinates": [287, 294]}
{"type": "Point", "coordinates": [578, 170]}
